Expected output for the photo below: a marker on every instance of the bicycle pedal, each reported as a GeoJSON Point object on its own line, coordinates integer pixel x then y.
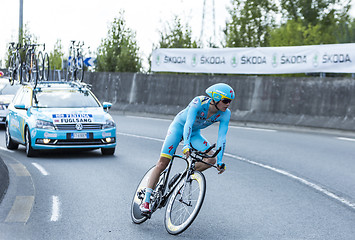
{"type": "Point", "coordinates": [147, 214]}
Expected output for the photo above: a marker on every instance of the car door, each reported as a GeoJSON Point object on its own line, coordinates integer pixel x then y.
{"type": "Point", "coordinates": [21, 110]}
{"type": "Point", "coordinates": [18, 113]}
{"type": "Point", "coordinates": [12, 120]}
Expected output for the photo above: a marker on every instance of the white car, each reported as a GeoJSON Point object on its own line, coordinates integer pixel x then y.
{"type": "Point", "coordinates": [7, 93]}
{"type": "Point", "coordinates": [57, 115]}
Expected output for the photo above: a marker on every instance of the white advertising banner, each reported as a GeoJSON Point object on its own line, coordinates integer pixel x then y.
{"type": "Point", "coordinates": [331, 58]}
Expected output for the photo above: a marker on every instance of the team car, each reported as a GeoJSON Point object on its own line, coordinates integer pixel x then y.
{"type": "Point", "coordinates": [7, 93]}
{"type": "Point", "coordinates": [55, 115]}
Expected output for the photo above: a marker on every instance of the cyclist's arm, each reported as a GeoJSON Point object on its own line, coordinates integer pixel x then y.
{"type": "Point", "coordinates": [190, 119]}
{"type": "Point", "coordinates": [222, 133]}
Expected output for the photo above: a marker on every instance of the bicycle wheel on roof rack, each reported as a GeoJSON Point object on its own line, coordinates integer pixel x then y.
{"type": "Point", "coordinates": [46, 67]}
{"type": "Point", "coordinates": [80, 69]}
{"type": "Point", "coordinates": [11, 69]}
{"type": "Point", "coordinates": [26, 69]}
{"type": "Point", "coordinates": [70, 70]}
{"type": "Point", "coordinates": [35, 71]}
{"type": "Point", "coordinates": [40, 66]}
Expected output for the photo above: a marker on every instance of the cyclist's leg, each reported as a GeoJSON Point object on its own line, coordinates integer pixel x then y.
{"type": "Point", "coordinates": [201, 144]}
{"type": "Point", "coordinates": [171, 142]}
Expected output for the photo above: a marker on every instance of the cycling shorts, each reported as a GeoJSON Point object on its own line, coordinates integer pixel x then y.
{"type": "Point", "coordinates": [174, 136]}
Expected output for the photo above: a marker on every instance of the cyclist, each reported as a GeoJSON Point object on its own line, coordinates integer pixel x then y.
{"type": "Point", "coordinates": [201, 112]}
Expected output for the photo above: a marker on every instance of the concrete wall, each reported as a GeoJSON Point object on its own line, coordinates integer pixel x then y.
{"type": "Point", "coordinates": [311, 102]}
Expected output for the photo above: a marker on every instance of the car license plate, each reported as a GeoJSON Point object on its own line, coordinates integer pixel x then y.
{"type": "Point", "coordinates": [79, 135]}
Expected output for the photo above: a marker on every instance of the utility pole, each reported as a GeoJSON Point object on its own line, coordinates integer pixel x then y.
{"type": "Point", "coordinates": [20, 28]}
{"type": "Point", "coordinates": [208, 26]}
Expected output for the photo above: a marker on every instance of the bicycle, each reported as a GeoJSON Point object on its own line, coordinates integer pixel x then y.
{"type": "Point", "coordinates": [14, 69]}
{"type": "Point", "coordinates": [75, 70]}
{"type": "Point", "coordinates": [30, 67]}
{"type": "Point", "coordinates": [183, 194]}
{"type": "Point", "coordinates": [43, 65]}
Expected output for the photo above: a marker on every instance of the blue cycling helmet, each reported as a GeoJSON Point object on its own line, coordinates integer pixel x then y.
{"type": "Point", "coordinates": [219, 91]}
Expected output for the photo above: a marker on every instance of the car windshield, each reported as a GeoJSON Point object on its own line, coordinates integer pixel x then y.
{"type": "Point", "coordinates": [7, 89]}
{"type": "Point", "coordinates": [64, 99]}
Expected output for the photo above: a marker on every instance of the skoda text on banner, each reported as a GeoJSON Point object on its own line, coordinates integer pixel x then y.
{"type": "Point", "coordinates": [331, 58]}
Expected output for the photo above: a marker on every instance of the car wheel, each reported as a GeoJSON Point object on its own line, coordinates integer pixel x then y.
{"type": "Point", "coordinates": [107, 151]}
{"type": "Point", "coordinates": [30, 152]}
{"type": "Point", "coordinates": [9, 143]}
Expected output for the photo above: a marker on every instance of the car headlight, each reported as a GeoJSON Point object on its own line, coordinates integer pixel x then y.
{"type": "Point", "coordinates": [3, 107]}
{"type": "Point", "coordinates": [109, 124]}
{"type": "Point", "coordinates": [45, 125]}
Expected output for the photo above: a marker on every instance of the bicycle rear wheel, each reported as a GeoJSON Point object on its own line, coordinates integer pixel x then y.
{"type": "Point", "coordinates": [185, 203]}
{"type": "Point", "coordinates": [138, 198]}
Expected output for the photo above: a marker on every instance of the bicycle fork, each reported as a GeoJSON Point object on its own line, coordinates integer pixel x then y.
{"type": "Point", "coordinates": [187, 180]}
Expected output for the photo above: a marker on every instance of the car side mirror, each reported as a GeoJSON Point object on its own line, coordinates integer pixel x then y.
{"type": "Point", "coordinates": [20, 106]}
{"type": "Point", "coordinates": [106, 106]}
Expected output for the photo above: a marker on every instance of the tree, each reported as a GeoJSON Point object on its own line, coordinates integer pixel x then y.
{"type": "Point", "coordinates": [177, 36]}
{"type": "Point", "coordinates": [312, 22]}
{"type": "Point", "coordinates": [119, 51]}
{"type": "Point", "coordinates": [250, 24]}
{"type": "Point", "coordinates": [311, 12]}
{"type": "Point", "coordinates": [56, 56]}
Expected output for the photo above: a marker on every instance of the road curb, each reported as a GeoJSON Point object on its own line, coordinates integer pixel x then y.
{"type": "Point", "coordinates": [4, 179]}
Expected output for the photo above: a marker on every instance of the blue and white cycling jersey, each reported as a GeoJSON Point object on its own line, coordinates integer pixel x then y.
{"type": "Point", "coordinates": [187, 124]}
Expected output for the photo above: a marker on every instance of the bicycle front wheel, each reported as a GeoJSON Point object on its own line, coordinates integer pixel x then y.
{"type": "Point", "coordinates": [185, 203]}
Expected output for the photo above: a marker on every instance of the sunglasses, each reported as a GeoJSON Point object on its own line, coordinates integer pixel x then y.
{"type": "Point", "coordinates": [226, 101]}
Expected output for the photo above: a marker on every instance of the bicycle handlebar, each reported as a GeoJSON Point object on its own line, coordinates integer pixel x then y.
{"type": "Point", "coordinates": [204, 154]}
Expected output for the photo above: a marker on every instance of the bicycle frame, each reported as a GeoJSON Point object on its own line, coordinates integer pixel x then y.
{"type": "Point", "coordinates": [162, 184]}
{"type": "Point", "coordinates": [190, 169]}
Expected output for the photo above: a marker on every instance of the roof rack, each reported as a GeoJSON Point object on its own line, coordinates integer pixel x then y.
{"type": "Point", "coordinates": [37, 85]}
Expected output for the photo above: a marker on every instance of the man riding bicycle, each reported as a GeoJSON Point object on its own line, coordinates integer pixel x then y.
{"type": "Point", "coordinates": [201, 112]}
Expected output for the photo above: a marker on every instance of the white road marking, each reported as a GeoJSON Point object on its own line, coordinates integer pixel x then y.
{"type": "Point", "coordinates": [304, 181]}
{"type": "Point", "coordinates": [55, 209]}
{"type": "Point", "coordinates": [150, 118]}
{"type": "Point", "coordinates": [138, 136]}
{"type": "Point", "coordinates": [20, 170]}
{"type": "Point", "coordinates": [346, 139]}
{"type": "Point", "coordinates": [283, 172]}
{"type": "Point", "coordinates": [5, 149]}
{"type": "Point", "coordinates": [254, 129]}
{"type": "Point", "coordinates": [41, 169]}
{"type": "Point", "coordinates": [21, 209]}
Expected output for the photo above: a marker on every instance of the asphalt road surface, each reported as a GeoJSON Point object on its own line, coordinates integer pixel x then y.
{"type": "Point", "coordinates": [279, 184]}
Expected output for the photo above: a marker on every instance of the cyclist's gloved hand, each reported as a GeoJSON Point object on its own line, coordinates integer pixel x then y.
{"type": "Point", "coordinates": [221, 167]}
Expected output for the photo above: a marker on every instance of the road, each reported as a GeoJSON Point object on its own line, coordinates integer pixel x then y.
{"type": "Point", "coordinates": [278, 184]}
